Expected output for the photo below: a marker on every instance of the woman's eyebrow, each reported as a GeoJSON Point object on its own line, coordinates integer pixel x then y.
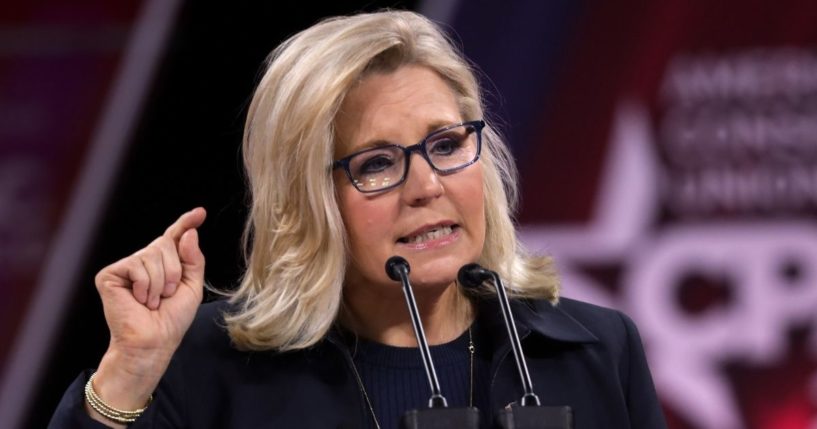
{"type": "Point", "coordinates": [378, 142]}
{"type": "Point", "coordinates": [371, 144]}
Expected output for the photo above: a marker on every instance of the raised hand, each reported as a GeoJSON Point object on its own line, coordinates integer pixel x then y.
{"type": "Point", "coordinates": [149, 299]}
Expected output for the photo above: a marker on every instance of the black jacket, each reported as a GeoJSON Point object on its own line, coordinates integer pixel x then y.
{"type": "Point", "coordinates": [587, 357]}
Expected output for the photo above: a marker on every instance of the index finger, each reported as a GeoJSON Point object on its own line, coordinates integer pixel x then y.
{"type": "Point", "coordinates": [192, 219]}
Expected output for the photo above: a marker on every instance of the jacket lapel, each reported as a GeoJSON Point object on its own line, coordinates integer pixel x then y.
{"type": "Point", "coordinates": [539, 316]}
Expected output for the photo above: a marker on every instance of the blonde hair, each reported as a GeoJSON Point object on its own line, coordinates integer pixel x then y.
{"type": "Point", "coordinates": [291, 292]}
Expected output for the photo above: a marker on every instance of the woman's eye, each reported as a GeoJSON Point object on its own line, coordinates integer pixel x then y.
{"type": "Point", "coordinates": [446, 146]}
{"type": "Point", "coordinates": [375, 164]}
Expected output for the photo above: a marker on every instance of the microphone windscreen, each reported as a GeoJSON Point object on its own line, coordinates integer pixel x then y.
{"type": "Point", "coordinates": [472, 275]}
{"type": "Point", "coordinates": [393, 266]}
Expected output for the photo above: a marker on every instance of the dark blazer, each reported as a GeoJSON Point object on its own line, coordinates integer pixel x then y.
{"type": "Point", "coordinates": [584, 356]}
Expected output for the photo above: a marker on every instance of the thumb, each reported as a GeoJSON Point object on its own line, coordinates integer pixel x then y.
{"type": "Point", "coordinates": [191, 257]}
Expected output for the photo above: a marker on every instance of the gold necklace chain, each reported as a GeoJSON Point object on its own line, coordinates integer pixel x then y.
{"type": "Point", "coordinates": [471, 351]}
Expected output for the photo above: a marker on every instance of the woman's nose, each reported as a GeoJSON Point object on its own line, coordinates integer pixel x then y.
{"type": "Point", "coordinates": [422, 182]}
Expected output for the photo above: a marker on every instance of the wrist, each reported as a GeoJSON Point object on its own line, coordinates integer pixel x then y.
{"type": "Point", "coordinates": [127, 380]}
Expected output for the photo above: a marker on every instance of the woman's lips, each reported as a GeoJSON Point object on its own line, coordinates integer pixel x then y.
{"type": "Point", "coordinates": [435, 237]}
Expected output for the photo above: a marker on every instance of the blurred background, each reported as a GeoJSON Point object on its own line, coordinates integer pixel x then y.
{"type": "Point", "coordinates": [667, 149]}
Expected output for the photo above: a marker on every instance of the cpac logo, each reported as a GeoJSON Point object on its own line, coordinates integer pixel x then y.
{"type": "Point", "coordinates": [686, 349]}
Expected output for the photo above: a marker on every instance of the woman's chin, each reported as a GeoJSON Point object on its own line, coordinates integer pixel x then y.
{"type": "Point", "coordinates": [431, 281]}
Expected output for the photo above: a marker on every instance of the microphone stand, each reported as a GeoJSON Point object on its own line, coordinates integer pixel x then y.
{"type": "Point", "coordinates": [528, 413]}
{"type": "Point", "coordinates": [438, 415]}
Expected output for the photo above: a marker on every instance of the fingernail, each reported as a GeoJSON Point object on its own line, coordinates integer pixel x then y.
{"type": "Point", "coordinates": [171, 287]}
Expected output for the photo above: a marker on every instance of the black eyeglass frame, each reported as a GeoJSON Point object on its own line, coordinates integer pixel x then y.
{"type": "Point", "coordinates": [420, 148]}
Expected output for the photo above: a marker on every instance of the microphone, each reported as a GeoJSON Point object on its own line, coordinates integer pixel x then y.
{"type": "Point", "coordinates": [438, 415]}
{"type": "Point", "coordinates": [397, 268]}
{"type": "Point", "coordinates": [473, 275]}
{"type": "Point", "coordinates": [530, 413]}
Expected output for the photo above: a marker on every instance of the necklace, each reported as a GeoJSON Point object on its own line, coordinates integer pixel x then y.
{"type": "Point", "coordinates": [471, 351]}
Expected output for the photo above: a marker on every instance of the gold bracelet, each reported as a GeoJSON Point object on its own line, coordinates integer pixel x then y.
{"type": "Point", "coordinates": [114, 414]}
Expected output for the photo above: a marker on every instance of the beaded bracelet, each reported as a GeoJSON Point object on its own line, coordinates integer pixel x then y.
{"type": "Point", "coordinates": [114, 414]}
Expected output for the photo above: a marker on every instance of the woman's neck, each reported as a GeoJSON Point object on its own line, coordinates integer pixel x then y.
{"type": "Point", "coordinates": [385, 317]}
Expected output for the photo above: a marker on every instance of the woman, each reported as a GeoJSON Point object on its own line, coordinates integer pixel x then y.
{"type": "Point", "coordinates": [365, 139]}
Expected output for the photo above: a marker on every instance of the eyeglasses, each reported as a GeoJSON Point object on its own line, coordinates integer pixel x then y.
{"type": "Point", "coordinates": [447, 151]}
